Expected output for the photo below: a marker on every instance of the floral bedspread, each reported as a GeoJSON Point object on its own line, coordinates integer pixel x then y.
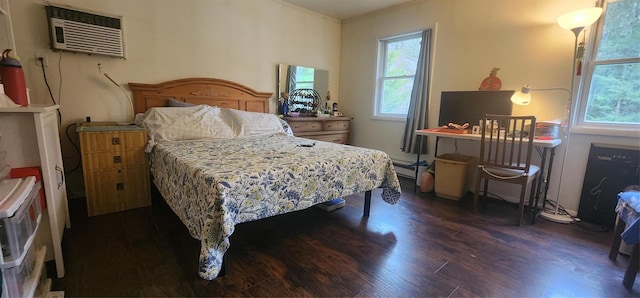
{"type": "Point", "coordinates": [214, 185]}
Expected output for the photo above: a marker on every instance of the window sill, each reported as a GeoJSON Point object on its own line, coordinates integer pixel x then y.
{"type": "Point", "coordinates": [600, 131]}
{"type": "Point", "coordinates": [386, 118]}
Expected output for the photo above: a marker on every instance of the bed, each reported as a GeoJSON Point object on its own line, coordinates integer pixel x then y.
{"type": "Point", "coordinates": [228, 162]}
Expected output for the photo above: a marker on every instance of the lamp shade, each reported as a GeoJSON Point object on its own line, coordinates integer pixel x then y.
{"type": "Point", "coordinates": [522, 97]}
{"type": "Point", "coordinates": [580, 18]}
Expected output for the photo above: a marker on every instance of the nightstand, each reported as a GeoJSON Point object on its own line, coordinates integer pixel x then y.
{"type": "Point", "coordinates": [115, 167]}
{"type": "Point", "coordinates": [328, 129]}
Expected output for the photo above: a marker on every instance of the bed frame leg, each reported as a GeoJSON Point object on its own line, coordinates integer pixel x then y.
{"type": "Point", "coordinates": [367, 203]}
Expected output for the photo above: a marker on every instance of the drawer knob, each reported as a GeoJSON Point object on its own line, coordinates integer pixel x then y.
{"type": "Point", "coordinates": [119, 186]}
{"type": "Point", "coordinates": [115, 141]}
{"type": "Point", "coordinates": [117, 159]}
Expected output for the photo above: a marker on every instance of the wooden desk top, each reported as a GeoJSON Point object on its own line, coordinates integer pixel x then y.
{"type": "Point", "coordinates": [437, 132]}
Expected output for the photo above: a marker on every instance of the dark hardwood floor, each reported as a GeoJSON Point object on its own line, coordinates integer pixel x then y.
{"type": "Point", "coordinates": [422, 246]}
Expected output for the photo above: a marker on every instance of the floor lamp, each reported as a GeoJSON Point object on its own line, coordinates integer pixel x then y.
{"type": "Point", "coordinates": [575, 21]}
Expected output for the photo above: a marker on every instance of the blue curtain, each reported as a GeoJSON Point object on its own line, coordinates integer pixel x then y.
{"type": "Point", "coordinates": [417, 116]}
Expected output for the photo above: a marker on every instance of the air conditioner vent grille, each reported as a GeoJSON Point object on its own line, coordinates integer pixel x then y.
{"type": "Point", "coordinates": [91, 38]}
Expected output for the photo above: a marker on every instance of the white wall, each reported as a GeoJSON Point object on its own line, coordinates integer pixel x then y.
{"type": "Point", "coordinates": [520, 37]}
{"type": "Point", "coordinates": [236, 40]}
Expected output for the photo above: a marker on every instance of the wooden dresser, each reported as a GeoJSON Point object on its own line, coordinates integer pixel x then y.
{"type": "Point", "coordinates": [116, 171]}
{"type": "Point", "coordinates": [328, 129]}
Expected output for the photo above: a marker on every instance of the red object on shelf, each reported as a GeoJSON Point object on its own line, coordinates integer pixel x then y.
{"type": "Point", "coordinates": [30, 171]}
{"type": "Point", "coordinates": [12, 77]}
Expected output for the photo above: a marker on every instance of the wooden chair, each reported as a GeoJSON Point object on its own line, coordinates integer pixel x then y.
{"type": "Point", "coordinates": [505, 155]}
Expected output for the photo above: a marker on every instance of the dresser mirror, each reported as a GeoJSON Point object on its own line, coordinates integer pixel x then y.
{"type": "Point", "coordinates": [291, 77]}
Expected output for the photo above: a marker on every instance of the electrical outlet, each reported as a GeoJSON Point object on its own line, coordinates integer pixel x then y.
{"type": "Point", "coordinates": [40, 57]}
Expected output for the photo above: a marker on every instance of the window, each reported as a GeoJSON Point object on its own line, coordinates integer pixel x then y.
{"type": "Point", "coordinates": [304, 77]}
{"type": "Point", "coordinates": [397, 61]}
{"type": "Point", "coordinates": [611, 82]}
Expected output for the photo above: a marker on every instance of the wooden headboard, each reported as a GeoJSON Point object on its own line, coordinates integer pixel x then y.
{"type": "Point", "coordinates": [214, 92]}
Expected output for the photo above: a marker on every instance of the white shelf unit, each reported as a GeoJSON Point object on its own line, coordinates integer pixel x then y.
{"type": "Point", "coordinates": [34, 136]}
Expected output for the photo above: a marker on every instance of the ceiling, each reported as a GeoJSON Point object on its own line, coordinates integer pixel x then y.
{"type": "Point", "coordinates": [345, 9]}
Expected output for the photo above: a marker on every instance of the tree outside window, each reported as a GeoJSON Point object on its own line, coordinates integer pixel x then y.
{"type": "Point", "coordinates": [612, 79]}
{"type": "Point", "coordinates": [397, 62]}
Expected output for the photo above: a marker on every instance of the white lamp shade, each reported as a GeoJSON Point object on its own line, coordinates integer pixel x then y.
{"type": "Point", "coordinates": [522, 97]}
{"type": "Point", "coordinates": [580, 18]}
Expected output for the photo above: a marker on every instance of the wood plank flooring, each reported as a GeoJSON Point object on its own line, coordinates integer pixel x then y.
{"type": "Point", "coordinates": [421, 247]}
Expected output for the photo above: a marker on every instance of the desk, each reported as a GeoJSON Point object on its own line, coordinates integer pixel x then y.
{"type": "Point", "coordinates": [545, 148]}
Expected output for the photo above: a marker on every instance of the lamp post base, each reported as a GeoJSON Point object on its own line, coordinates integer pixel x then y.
{"type": "Point", "coordinates": [554, 217]}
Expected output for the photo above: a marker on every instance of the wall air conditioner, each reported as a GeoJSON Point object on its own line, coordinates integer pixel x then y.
{"type": "Point", "coordinates": [84, 32]}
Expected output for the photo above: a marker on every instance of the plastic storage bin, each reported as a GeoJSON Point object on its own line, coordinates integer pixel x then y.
{"type": "Point", "coordinates": [19, 215]}
{"type": "Point", "coordinates": [451, 175]}
{"type": "Point", "coordinates": [15, 277]}
{"type": "Point", "coordinates": [30, 171]}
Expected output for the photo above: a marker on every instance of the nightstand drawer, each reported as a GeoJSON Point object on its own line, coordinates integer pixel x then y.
{"type": "Point", "coordinates": [114, 160]}
{"type": "Point", "coordinates": [109, 141]}
{"type": "Point", "coordinates": [117, 190]}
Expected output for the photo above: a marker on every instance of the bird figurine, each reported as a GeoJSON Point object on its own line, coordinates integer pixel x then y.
{"type": "Point", "coordinates": [492, 82]}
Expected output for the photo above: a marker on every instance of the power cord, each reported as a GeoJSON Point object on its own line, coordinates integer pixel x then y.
{"type": "Point", "coordinates": [44, 75]}
{"type": "Point", "coordinates": [79, 163]}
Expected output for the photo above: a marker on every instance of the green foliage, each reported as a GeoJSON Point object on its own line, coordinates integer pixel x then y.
{"type": "Point", "coordinates": [614, 95]}
{"type": "Point", "coordinates": [400, 69]}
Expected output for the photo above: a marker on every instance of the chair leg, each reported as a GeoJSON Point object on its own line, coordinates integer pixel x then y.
{"type": "Point", "coordinates": [484, 193]}
{"type": "Point", "coordinates": [523, 191]}
{"type": "Point", "coordinates": [532, 194]}
{"type": "Point", "coordinates": [476, 194]}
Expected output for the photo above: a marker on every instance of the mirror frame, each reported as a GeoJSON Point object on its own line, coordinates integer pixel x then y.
{"type": "Point", "coordinates": [320, 83]}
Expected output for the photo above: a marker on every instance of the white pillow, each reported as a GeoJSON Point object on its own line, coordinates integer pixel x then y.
{"type": "Point", "coordinates": [246, 124]}
{"type": "Point", "coordinates": [185, 123]}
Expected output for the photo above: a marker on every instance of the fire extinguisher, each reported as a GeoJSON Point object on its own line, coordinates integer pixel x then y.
{"type": "Point", "coordinates": [12, 77]}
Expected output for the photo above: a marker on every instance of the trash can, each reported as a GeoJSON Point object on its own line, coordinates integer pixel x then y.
{"type": "Point", "coordinates": [452, 171]}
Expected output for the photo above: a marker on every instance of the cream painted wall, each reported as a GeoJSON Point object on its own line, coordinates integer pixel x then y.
{"type": "Point", "coordinates": [520, 37]}
{"type": "Point", "coordinates": [237, 40]}
{"type": "Point", "coordinates": [244, 40]}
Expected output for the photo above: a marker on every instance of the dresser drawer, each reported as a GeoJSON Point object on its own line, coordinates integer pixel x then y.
{"type": "Point", "coordinates": [336, 125]}
{"type": "Point", "coordinates": [338, 138]}
{"type": "Point", "coordinates": [305, 126]}
{"type": "Point", "coordinates": [298, 126]}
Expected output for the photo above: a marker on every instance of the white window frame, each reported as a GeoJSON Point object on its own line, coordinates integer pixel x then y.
{"type": "Point", "coordinates": [581, 126]}
{"type": "Point", "coordinates": [381, 69]}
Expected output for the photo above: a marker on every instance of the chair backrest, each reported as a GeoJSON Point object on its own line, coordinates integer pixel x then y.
{"type": "Point", "coordinates": [507, 142]}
